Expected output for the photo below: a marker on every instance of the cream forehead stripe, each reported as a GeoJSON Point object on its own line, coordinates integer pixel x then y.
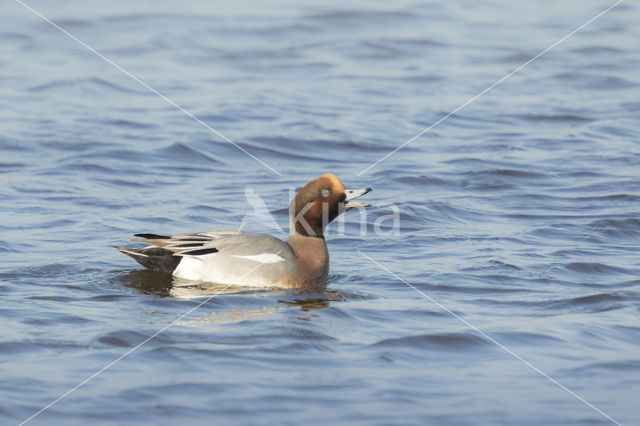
{"type": "Point", "coordinates": [262, 258]}
{"type": "Point", "coordinates": [335, 182]}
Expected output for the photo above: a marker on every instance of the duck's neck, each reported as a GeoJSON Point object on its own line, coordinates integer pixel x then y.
{"type": "Point", "coordinates": [302, 227]}
{"type": "Point", "coordinates": [311, 253]}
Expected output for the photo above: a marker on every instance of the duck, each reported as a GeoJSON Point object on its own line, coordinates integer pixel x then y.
{"type": "Point", "coordinates": [254, 259]}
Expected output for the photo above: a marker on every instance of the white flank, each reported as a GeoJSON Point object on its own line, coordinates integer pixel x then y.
{"type": "Point", "coordinates": [262, 258]}
{"type": "Point", "coordinates": [217, 270]}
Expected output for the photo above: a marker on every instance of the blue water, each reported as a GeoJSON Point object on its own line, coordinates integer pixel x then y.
{"type": "Point", "coordinates": [520, 214]}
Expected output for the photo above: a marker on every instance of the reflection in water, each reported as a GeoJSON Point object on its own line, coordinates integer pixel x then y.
{"type": "Point", "coordinates": [275, 299]}
{"type": "Point", "coordinates": [147, 281]}
{"type": "Point", "coordinates": [229, 316]}
{"type": "Point", "coordinates": [164, 285]}
{"type": "Point", "coordinates": [311, 303]}
{"type": "Point", "coordinates": [185, 289]}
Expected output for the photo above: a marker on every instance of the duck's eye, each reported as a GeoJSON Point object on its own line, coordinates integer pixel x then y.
{"type": "Point", "coordinates": [326, 192]}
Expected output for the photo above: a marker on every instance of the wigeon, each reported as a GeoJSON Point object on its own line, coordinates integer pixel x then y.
{"type": "Point", "coordinates": [257, 260]}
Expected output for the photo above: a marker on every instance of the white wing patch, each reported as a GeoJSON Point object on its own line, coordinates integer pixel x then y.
{"type": "Point", "coordinates": [262, 258]}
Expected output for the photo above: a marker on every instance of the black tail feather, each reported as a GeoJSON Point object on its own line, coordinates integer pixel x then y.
{"type": "Point", "coordinates": [152, 236]}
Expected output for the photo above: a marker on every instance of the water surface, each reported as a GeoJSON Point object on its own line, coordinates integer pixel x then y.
{"type": "Point", "coordinates": [520, 214]}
